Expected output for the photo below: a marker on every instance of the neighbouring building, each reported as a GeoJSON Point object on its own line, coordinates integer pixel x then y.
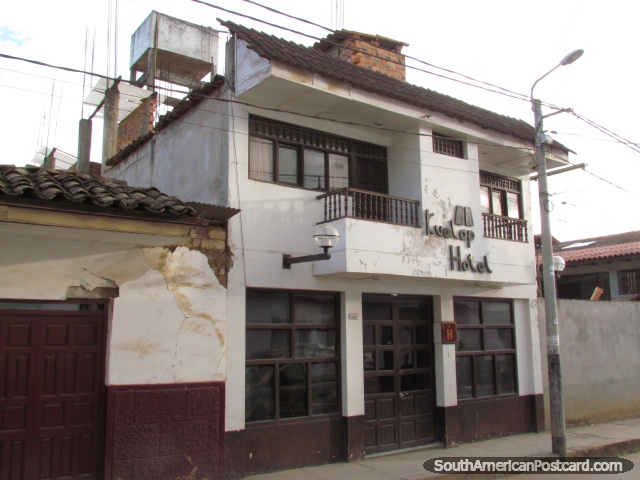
{"type": "Point", "coordinates": [336, 359]}
{"type": "Point", "coordinates": [113, 322]}
{"type": "Point", "coordinates": [608, 266]}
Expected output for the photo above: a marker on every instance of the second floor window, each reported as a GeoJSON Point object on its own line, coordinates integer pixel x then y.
{"type": "Point", "coordinates": [448, 146]}
{"type": "Point", "coordinates": [500, 195]}
{"type": "Point", "coordinates": [290, 155]}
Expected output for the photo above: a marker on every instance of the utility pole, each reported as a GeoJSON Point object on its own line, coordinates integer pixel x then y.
{"type": "Point", "coordinates": [540, 142]}
{"type": "Point", "coordinates": [558, 433]}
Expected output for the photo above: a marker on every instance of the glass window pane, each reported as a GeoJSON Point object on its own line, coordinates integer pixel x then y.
{"type": "Point", "coordinates": [422, 358]}
{"type": "Point", "coordinates": [386, 337]}
{"type": "Point", "coordinates": [406, 359]}
{"type": "Point", "coordinates": [293, 390]}
{"type": "Point", "coordinates": [369, 361]}
{"type": "Point", "coordinates": [385, 360]}
{"type": "Point", "coordinates": [268, 344]}
{"type": "Point", "coordinates": [412, 312]}
{"type": "Point", "coordinates": [259, 393]}
{"type": "Point", "coordinates": [367, 334]}
{"type": "Point", "coordinates": [405, 335]}
{"type": "Point", "coordinates": [498, 339]}
{"type": "Point", "coordinates": [324, 389]}
{"type": "Point", "coordinates": [316, 308]}
{"type": "Point", "coordinates": [422, 335]}
{"type": "Point", "coordinates": [513, 205]}
{"type": "Point", "coordinates": [314, 175]}
{"type": "Point", "coordinates": [338, 171]}
{"type": "Point", "coordinates": [485, 376]}
{"type": "Point", "coordinates": [506, 373]}
{"type": "Point", "coordinates": [496, 197]}
{"type": "Point", "coordinates": [485, 204]}
{"type": "Point", "coordinates": [288, 165]}
{"type": "Point", "coordinates": [464, 377]}
{"type": "Point", "coordinates": [469, 340]}
{"type": "Point", "coordinates": [315, 343]}
{"type": "Point", "coordinates": [466, 311]}
{"type": "Point", "coordinates": [261, 159]}
{"type": "Point", "coordinates": [378, 384]}
{"type": "Point", "coordinates": [496, 313]}
{"type": "Point", "coordinates": [418, 381]}
{"type": "Point", "coordinates": [376, 311]}
{"type": "Point", "coordinates": [267, 307]}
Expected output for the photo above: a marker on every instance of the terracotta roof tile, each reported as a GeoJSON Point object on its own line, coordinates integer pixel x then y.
{"type": "Point", "coordinates": [309, 58]}
{"type": "Point", "coordinates": [595, 248]}
{"type": "Point", "coordinates": [77, 188]}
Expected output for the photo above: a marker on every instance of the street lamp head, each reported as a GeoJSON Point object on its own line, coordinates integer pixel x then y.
{"type": "Point", "coordinates": [571, 57]}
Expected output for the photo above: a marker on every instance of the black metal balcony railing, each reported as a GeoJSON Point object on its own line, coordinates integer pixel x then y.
{"type": "Point", "coordinates": [354, 203]}
{"type": "Point", "coordinates": [505, 228]}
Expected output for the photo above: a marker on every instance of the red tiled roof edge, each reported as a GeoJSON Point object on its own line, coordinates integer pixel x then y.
{"type": "Point", "coordinates": [74, 188]}
{"type": "Point", "coordinates": [308, 58]}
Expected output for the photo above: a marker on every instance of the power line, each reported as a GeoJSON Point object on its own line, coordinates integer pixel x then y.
{"type": "Point", "coordinates": [517, 96]}
{"type": "Point", "coordinates": [346, 33]}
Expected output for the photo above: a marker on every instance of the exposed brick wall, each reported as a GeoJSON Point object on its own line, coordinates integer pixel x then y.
{"type": "Point", "coordinates": [212, 242]}
{"type": "Point", "coordinates": [137, 124]}
{"type": "Point", "coordinates": [165, 431]}
{"type": "Point", "coordinates": [362, 57]}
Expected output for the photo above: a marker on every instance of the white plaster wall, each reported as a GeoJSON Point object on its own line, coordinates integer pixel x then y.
{"type": "Point", "coordinates": [168, 323]}
{"type": "Point", "coordinates": [186, 160]}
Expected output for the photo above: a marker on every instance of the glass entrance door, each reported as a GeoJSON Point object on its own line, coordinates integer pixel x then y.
{"type": "Point", "coordinates": [398, 372]}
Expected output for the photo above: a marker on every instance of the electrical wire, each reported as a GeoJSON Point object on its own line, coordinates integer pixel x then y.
{"type": "Point", "coordinates": [524, 97]}
{"type": "Point", "coordinates": [516, 96]}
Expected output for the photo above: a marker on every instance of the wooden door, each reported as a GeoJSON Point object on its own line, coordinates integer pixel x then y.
{"type": "Point", "coordinates": [398, 372]}
{"type": "Point", "coordinates": [52, 393]}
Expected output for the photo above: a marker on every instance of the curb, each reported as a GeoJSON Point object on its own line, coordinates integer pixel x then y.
{"type": "Point", "coordinates": [608, 450]}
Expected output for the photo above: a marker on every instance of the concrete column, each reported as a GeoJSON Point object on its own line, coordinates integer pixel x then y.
{"type": "Point", "coordinates": [445, 354]}
{"type": "Point", "coordinates": [110, 138]}
{"type": "Point", "coordinates": [351, 354]}
{"type": "Point", "coordinates": [84, 146]}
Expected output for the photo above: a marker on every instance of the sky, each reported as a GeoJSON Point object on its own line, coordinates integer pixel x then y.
{"type": "Point", "coordinates": [506, 43]}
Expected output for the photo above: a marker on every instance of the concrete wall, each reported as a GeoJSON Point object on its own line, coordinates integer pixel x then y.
{"type": "Point", "coordinates": [600, 360]}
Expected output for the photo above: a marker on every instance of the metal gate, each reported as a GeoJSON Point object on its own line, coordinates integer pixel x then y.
{"type": "Point", "coordinates": [52, 390]}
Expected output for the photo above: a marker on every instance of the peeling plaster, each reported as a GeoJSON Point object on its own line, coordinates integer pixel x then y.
{"type": "Point", "coordinates": [170, 322]}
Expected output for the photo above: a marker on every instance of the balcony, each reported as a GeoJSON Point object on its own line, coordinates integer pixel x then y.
{"type": "Point", "coordinates": [364, 205]}
{"type": "Point", "coordinates": [505, 228]}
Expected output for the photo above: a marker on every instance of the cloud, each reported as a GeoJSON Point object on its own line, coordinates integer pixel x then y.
{"type": "Point", "coordinates": [8, 35]}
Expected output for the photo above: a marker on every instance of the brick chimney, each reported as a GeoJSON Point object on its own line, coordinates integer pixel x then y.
{"type": "Point", "coordinates": [372, 52]}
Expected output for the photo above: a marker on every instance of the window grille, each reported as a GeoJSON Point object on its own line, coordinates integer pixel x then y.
{"type": "Point", "coordinates": [448, 146]}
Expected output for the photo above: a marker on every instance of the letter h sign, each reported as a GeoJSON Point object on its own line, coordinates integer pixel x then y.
{"type": "Point", "coordinates": [449, 332]}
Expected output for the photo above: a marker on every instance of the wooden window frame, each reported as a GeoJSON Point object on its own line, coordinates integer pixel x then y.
{"type": "Point", "coordinates": [494, 353]}
{"type": "Point", "coordinates": [299, 138]}
{"type": "Point", "coordinates": [503, 185]}
{"type": "Point", "coordinates": [293, 327]}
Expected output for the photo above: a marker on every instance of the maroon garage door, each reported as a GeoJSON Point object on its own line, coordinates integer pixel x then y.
{"type": "Point", "coordinates": [51, 390]}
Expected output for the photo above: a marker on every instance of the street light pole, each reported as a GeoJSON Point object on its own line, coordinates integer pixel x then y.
{"type": "Point", "coordinates": [558, 433]}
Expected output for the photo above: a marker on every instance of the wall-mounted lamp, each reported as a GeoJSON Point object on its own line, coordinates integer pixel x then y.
{"type": "Point", "coordinates": [325, 236]}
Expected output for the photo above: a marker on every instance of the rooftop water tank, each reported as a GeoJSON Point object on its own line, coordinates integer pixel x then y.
{"type": "Point", "coordinates": [184, 52]}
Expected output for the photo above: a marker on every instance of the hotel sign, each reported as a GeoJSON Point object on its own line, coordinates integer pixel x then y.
{"type": "Point", "coordinates": [455, 230]}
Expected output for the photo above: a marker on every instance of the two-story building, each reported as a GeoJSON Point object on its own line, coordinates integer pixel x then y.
{"type": "Point", "coordinates": [335, 359]}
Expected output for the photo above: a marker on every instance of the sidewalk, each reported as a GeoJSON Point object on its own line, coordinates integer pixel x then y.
{"type": "Point", "coordinates": [603, 439]}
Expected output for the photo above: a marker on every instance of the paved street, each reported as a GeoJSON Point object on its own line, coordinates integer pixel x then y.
{"type": "Point", "coordinates": [633, 474]}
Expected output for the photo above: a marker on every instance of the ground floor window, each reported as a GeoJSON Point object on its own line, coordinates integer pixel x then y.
{"type": "Point", "coordinates": [485, 350]}
{"type": "Point", "coordinates": [292, 354]}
